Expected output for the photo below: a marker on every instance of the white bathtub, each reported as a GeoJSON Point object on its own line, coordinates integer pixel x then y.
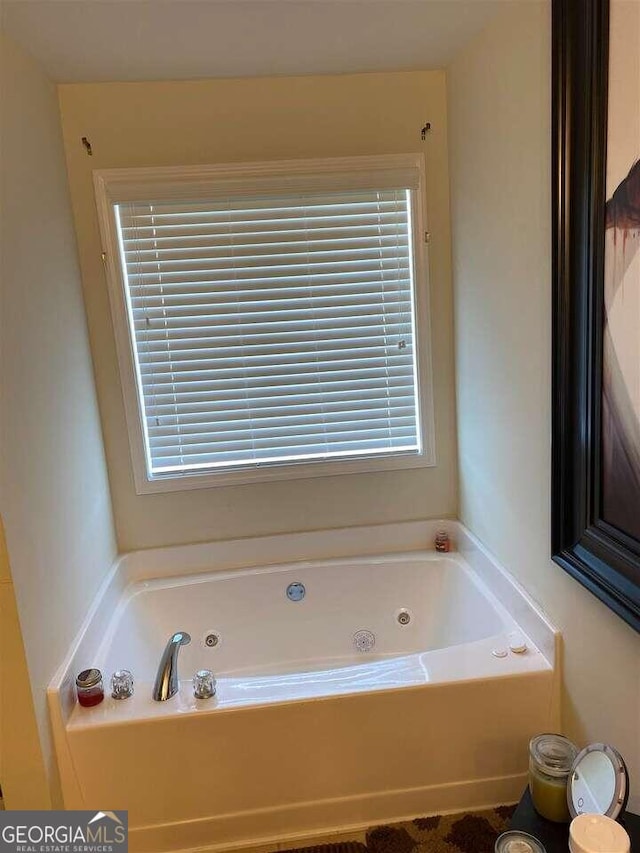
{"type": "Point", "coordinates": [306, 732]}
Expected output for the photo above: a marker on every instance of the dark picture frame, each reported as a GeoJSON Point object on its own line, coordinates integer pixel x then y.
{"type": "Point", "coordinates": [602, 557]}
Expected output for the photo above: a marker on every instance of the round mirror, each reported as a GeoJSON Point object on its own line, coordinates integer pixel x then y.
{"type": "Point", "coordinates": [598, 782]}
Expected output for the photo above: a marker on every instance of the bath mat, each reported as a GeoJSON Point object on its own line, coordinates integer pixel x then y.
{"type": "Point", "coordinates": [473, 832]}
{"type": "Point", "coordinates": [470, 832]}
{"type": "Point", "coordinates": [341, 847]}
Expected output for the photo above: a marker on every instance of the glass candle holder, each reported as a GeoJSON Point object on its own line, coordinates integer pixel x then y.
{"type": "Point", "coordinates": [442, 542]}
{"type": "Point", "coordinates": [122, 684]}
{"type": "Point", "coordinates": [550, 760]}
{"type": "Point", "coordinates": [204, 684]}
{"type": "Point", "coordinates": [89, 687]}
{"type": "Point", "coordinates": [514, 841]}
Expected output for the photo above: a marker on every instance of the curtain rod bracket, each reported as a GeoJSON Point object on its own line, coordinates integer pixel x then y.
{"type": "Point", "coordinates": [87, 145]}
{"type": "Point", "coordinates": [425, 130]}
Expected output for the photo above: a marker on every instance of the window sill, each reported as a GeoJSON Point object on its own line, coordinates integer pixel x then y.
{"type": "Point", "coordinates": [294, 471]}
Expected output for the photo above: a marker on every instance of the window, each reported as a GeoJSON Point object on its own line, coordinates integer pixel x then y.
{"type": "Point", "coordinates": [267, 318]}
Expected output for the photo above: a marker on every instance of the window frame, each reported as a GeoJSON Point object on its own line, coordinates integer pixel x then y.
{"type": "Point", "coordinates": [114, 186]}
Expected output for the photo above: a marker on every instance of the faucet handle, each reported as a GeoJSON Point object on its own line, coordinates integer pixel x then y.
{"type": "Point", "coordinates": [122, 684]}
{"type": "Point", "coordinates": [204, 684]}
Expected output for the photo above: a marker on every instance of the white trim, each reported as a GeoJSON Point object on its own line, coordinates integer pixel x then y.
{"type": "Point", "coordinates": [113, 186]}
{"type": "Point", "coordinates": [170, 182]}
{"type": "Point", "coordinates": [510, 593]}
{"type": "Point", "coordinates": [308, 823]}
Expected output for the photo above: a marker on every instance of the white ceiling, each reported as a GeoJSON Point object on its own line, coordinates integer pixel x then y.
{"type": "Point", "coordinates": [98, 40]}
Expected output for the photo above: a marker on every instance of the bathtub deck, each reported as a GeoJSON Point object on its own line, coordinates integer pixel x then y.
{"type": "Point", "coordinates": [474, 661]}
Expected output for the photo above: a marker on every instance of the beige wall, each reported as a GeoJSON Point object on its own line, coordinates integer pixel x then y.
{"type": "Point", "coordinates": [22, 769]}
{"type": "Point", "coordinates": [53, 485]}
{"type": "Point", "coordinates": [219, 121]}
{"type": "Point", "coordinates": [499, 106]}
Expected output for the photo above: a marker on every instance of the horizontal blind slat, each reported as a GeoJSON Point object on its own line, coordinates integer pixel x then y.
{"type": "Point", "coordinates": [222, 251]}
{"type": "Point", "coordinates": [219, 291]}
{"type": "Point", "coordinates": [266, 452]}
{"type": "Point", "coordinates": [205, 422]}
{"type": "Point", "coordinates": [201, 405]}
{"type": "Point", "coordinates": [341, 375]}
{"type": "Point", "coordinates": [352, 234]}
{"type": "Point", "coordinates": [325, 332]}
{"type": "Point", "coordinates": [311, 432]}
{"type": "Point", "coordinates": [248, 461]}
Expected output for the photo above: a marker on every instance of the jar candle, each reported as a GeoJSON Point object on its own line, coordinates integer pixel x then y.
{"type": "Point", "coordinates": [89, 687]}
{"type": "Point", "coordinates": [442, 541]}
{"type": "Point", "coordinates": [514, 841]}
{"type": "Point", "coordinates": [550, 760]}
{"type": "Point", "coordinates": [597, 833]}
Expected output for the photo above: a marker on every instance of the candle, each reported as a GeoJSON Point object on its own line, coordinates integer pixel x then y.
{"type": "Point", "coordinates": [550, 760]}
{"type": "Point", "coordinates": [89, 687]}
{"type": "Point", "coordinates": [597, 833]}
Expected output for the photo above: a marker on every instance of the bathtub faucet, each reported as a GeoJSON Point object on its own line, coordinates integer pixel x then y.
{"type": "Point", "coordinates": [166, 684]}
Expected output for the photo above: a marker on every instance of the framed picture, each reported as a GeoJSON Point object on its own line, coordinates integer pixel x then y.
{"type": "Point", "coordinates": [596, 264]}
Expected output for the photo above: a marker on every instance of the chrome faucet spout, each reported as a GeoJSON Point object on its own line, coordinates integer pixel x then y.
{"type": "Point", "coordinates": [166, 684]}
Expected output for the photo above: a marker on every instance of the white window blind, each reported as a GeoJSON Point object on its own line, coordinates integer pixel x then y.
{"type": "Point", "coordinates": [272, 330]}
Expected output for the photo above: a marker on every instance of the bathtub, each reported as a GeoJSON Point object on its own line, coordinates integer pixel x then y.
{"type": "Point", "coordinates": [389, 690]}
